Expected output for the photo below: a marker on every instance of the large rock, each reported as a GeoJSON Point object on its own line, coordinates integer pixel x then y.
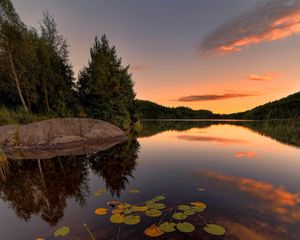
{"type": "Point", "coordinates": [55, 133]}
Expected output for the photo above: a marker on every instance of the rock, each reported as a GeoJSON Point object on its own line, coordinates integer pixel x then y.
{"type": "Point", "coordinates": [57, 132]}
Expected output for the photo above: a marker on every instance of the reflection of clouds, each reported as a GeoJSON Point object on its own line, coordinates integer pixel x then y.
{"type": "Point", "coordinates": [195, 138]}
{"type": "Point", "coordinates": [275, 200]}
{"type": "Point", "coordinates": [243, 232]}
{"type": "Point", "coordinates": [245, 154]}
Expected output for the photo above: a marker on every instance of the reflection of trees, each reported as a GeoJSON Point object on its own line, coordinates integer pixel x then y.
{"type": "Point", "coordinates": [284, 131]}
{"type": "Point", "coordinates": [150, 128]}
{"type": "Point", "coordinates": [116, 165]}
{"type": "Point", "coordinates": [42, 187]}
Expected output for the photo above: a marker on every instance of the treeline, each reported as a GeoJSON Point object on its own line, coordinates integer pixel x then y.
{"type": "Point", "coordinates": [37, 77]}
{"type": "Point", "coordinates": [151, 110]}
{"type": "Point", "coordinates": [285, 108]}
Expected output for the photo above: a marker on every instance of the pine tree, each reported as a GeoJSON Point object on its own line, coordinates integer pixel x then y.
{"type": "Point", "coordinates": [105, 87]}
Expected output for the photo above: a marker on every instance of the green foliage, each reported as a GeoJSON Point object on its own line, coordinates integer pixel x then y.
{"type": "Point", "coordinates": [285, 108]}
{"type": "Point", "coordinates": [151, 110]}
{"type": "Point", "coordinates": [34, 69]}
{"type": "Point", "coordinates": [18, 117]}
{"type": "Point", "coordinates": [105, 88]}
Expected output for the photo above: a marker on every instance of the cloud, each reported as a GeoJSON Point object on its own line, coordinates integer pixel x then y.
{"type": "Point", "coordinates": [225, 141]}
{"type": "Point", "coordinates": [268, 21]}
{"type": "Point", "coordinates": [264, 77]}
{"type": "Point", "coordinates": [245, 154]}
{"type": "Point", "coordinates": [214, 97]}
{"type": "Point", "coordinates": [140, 68]}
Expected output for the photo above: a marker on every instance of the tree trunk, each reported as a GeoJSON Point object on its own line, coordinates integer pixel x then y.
{"type": "Point", "coordinates": [46, 97]}
{"type": "Point", "coordinates": [15, 76]}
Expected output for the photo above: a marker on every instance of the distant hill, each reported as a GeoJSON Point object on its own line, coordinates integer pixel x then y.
{"type": "Point", "coordinates": [285, 108]}
{"type": "Point", "coordinates": [151, 110]}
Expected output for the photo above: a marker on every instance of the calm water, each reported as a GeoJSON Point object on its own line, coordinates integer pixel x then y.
{"type": "Point", "coordinates": [249, 171]}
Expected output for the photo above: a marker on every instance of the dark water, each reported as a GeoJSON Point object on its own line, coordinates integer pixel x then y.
{"type": "Point", "coordinates": [249, 171]}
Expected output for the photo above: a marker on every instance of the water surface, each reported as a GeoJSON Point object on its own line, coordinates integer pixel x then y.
{"type": "Point", "coordinates": [248, 171]}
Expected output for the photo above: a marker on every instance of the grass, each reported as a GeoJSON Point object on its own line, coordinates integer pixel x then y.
{"type": "Point", "coordinates": [18, 117]}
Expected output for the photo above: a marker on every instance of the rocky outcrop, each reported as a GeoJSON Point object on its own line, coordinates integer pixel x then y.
{"type": "Point", "coordinates": [58, 133]}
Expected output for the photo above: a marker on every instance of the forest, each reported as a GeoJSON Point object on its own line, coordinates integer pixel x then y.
{"type": "Point", "coordinates": [37, 81]}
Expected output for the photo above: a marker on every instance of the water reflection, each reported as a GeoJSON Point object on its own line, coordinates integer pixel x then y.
{"type": "Point", "coordinates": [42, 187]}
{"type": "Point", "coordinates": [284, 131]}
{"type": "Point", "coordinates": [116, 165]}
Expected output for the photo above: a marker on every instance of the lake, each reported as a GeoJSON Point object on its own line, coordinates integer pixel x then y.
{"type": "Point", "coordinates": [243, 176]}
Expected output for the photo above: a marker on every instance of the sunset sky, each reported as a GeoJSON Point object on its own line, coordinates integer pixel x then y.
{"type": "Point", "coordinates": [225, 56]}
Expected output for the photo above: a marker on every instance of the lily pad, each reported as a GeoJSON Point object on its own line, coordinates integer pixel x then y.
{"type": "Point", "coordinates": [117, 218]}
{"type": "Point", "coordinates": [159, 198]}
{"type": "Point", "coordinates": [139, 208]}
{"type": "Point", "coordinates": [117, 211]}
{"type": "Point", "coordinates": [153, 231]}
{"type": "Point", "coordinates": [153, 213]}
{"type": "Point", "coordinates": [99, 192]}
{"type": "Point", "coordinates": [189, 212]}
{"type": "Point", "coordinates": [214, 229]}
{"type": "Point", "coordinates": [197, 209]}
{"type": "Point", "coordinates": [185, 227]}
{"type": "Point", "coordinates": [179, 216]}
{"type": "Point", "coordinates": [63, 231]}
{"type": "Point", "coordinates": [132, 220]}
{"type": "Point", "coordinates": [167, 227]}
{"type": "Point", "coordinates": [158, 206]}
{"type": "Point", "coordinates": [124, 206]}
{"type": "Point", "coordinates": [134, 191]}
{"type": "Point", "coordinates": [184, 207]}
{"type": "Point", "coordinates": [127, 211]}
{"type": "Point", "coordinates": [101, 211]}
{"type": "Point", "coordinates": [199, 204]}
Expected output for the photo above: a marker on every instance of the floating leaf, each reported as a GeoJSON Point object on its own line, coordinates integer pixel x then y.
{"type": "Point", "coordinates": [185, 227]}
{"type": "Point", "coordinates": [117, 211]}
{"type": "Point", "coordinates": [179, 216]}
{"type": "Point", "coordinates": [63, 231]}
{"type": "Point", "coordinates": [167, 227]}
{"type": "Point", "coordinates": [153, 231]}
{"type": "Point", "coordinates": [159, 198]}
{"type": "Point", "coordinates": [134, 191]}
{"type": "Point", "coordinates": [132, 220]}
{"type": "Point", "coordinates": [153, 213]}
{"type": "Point", "coordinates": [40, 238]}
{"type": "Point", "coordinates": [117, 218]}
{"type": "Point", "coordinates": [101, 211]}
{"type": "Point", "coordinates": [127, 211]}
{"type": "Point", "coordinates": [214, 229]}
{"type": "Point", "coordinates": [184, 207]}
{"type": "Point", "coordinates": [158, 206]}
{"type": "Point", "coordinates": [99, 192]}
{"type": "Point", "coordinates": [124, 206]}
{"type": "Point", "coordinates": [199, 204]}
{"type": "Point", "coordinates": [189, 212]}
{"type": "Point", "coordinates": [139, 208]}
{"type": "Point", "coordinates": [200, 189]}
{"type": "Point", "coordinates": [198, 209]}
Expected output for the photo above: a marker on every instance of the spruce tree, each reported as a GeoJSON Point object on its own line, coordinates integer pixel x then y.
{"type": "Point", "coordinates": [105, 87]}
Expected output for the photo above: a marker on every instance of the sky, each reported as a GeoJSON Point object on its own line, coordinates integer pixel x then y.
{"type": "Point", "coordinates": [224, 56]}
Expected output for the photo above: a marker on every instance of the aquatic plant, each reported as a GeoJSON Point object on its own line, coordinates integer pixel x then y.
{"type": "Point", "coordinates": [132, 214]}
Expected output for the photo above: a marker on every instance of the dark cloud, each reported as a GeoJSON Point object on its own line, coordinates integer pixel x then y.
{"type": "Point", "coordinates": [268, 21]}
{"type": "Point", "coordinates": [214, 97]}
